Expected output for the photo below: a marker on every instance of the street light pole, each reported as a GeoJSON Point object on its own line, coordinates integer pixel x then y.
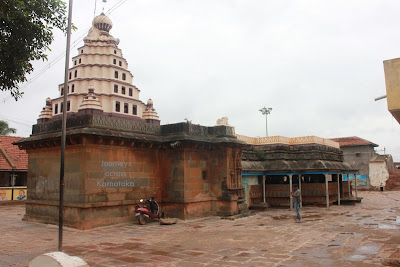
{"type": "Point", "coordinates": [265, 111]}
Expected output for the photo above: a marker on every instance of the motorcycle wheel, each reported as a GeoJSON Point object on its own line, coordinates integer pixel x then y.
{"type": "Point", "coordinates": [142, 219]}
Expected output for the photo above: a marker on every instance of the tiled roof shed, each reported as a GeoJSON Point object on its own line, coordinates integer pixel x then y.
{"type": "Point", "coordinates": [11, 157]}
{"type": "Point", "coordinates": [353, 141]}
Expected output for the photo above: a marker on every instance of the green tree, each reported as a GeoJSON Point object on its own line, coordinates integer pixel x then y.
{"type": "Point", "coordinates": [5, 130]}
{"type": "Point", "coordinates": [25, 34]}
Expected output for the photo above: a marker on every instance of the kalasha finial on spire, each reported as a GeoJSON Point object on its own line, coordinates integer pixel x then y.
{"type": "Point", "coordinates": [102, 22]}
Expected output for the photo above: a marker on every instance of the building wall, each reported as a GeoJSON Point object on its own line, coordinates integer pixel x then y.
{"type": "Point", "coordinates": [105, 178]}
{"type": "Point", "coordinates": [197, 177]}
{"type": "Point", "coordinates": [378, 174]}
{"type": "Point", "coordinates": [359, 157]}
{"type": "Point", "coordinates": [248, 181]}
{"type": "Point", "coordinates": [96, 177]}
{"type": "Point", "coordinates": [392, 74]}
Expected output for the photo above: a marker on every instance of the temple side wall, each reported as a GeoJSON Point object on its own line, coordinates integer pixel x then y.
{"type": "Point", "coordinates": [105, 178]}
{"type": "Point", "coordinates": [195, 176]}
{"type": "Point", "coordinates": [102, 183]}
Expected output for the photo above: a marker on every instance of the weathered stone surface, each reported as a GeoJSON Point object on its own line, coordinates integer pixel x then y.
{"type": "Point", "coordinates": [111, 163]}
{"type": "Point", "coordinates": [365, 234]}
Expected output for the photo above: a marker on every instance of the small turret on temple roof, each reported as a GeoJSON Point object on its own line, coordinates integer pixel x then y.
{"type": "Point", "coordinates": [101, 66]}
{"type": "Point", "coordinates": [150, 114]}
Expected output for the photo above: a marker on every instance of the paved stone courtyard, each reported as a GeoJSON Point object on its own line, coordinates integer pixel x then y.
{"type": "Point", "coordinates": [367, 234]}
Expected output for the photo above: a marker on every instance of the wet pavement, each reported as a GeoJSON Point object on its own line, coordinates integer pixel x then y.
{"type": "Point", "coordinates": [367, 234]}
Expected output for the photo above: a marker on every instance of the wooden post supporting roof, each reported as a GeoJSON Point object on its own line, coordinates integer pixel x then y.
{"type": "Point", "coordinates": [348, 183]}
{"type": "Point", "coordinates": [290, 190]}
{"type": "Point", "coordinates": [301, 199]}
{"type": "Point", "coordinates": [338, 188]}
{"type": "Point", "coordinates": [355, 183]}
{"type": "Point", "coordinates": [327, 191]}
{"type": "Point", "coordinates": [264, 178]}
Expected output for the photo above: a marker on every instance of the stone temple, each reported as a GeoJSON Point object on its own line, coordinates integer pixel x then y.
{"type": "Point", "coordinates": [117, 152]}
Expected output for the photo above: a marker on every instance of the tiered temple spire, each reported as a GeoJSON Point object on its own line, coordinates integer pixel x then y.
{"type": "Point", "coordinates": [100, 69]}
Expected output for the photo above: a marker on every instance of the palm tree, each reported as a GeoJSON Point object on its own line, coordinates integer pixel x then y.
{"type": "Point", "coordinates": [5, 130]}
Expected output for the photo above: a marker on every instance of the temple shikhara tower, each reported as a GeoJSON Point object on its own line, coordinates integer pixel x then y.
{"type": "Point", "coordinates": [117, 152]}
{"type": "Point", "coordinates": [100, 82]}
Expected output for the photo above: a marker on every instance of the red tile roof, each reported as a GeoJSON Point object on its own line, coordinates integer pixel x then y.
{"type": "Point", "coordinates": [353, 141]}
{"type": "Point", "coordinates": [11, 157]}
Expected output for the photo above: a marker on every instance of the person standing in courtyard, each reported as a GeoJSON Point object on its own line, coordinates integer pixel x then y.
{"type": "Point", "coordinates": [296, 202]}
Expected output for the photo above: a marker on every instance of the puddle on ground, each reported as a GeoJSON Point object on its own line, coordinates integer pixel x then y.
{"type": "Point", "coordinates": [356, 257]}
{"type": "Point", "coordinates": [363, 252]}
{"type": "Point", "coordinates": [368, 250]}
{"type": "Point", "coordinates": [371, 225]}
{"type": "Point", "coordinates": [387, 226]}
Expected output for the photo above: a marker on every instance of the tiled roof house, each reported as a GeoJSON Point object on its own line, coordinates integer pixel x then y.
{"type": "Point", "coordinates": [358, 153]}
{"type": "Point", "coordinates": [13, 169]}
{"type": "Point", "coordinates": [353, 141]}
{"type": "Point", "coordinates": [11, 157]}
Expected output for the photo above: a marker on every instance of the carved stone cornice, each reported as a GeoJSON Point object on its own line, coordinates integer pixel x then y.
{"type": "Point", "coordinates": [127, 132]}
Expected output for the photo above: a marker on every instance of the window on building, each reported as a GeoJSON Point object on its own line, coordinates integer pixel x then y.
{"type": "Point", "coordinates": [114, 61]}
{"type": "Point", "coordinates": [82, 51]}
{"type": "Point", "coordinates": [126, 106]}
{"type": "Point", "coordinates": [116, 75]}
{"type": "Point", "coordinates": [70, 75]}
{"type": "Point", "coordinates": [75, 62]}
{"type": "Point", "coordinates": [130, 92]}
{"type": "Point", "coordinates": [80, 61]}
{"type": "Point", "coordinates": [55, 108]}
{"type": "Point", "coordinates": [76, 73]}
{"type": "Point", "coordinates": [115, 88]}
{"type": "Point", "coordinates": [73, 88]}
{"type": "Point", "coordinates": [134, 109]}
{"type": "Point", "coordinates": [68, 89]}
{"type": "Point", "coordinates": [117, 106]}
{"type": "Point", "coordinates": [123, 90]}
{"type": "Point", "coordinates": [358, 154]}
{"type": "Point", "coordinates": [61, 107]}
{"type": "Point", "coordinates": [62, 91]}
{"type": "Point", "coordinates": [123, 76]}
{"type": "Point", "coordinates": [120, 63]}
{"type": "Point", "coordinates": [115, 51]}
{"type": "Point", "coordinates": [68, 105]}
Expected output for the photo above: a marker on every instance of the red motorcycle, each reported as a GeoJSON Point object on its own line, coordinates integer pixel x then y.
{"type": "Point", "coordinates": [147, 211]}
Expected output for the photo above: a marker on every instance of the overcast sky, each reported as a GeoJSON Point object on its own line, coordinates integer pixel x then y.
{"type": "Point", "coordinates": [318, 64]}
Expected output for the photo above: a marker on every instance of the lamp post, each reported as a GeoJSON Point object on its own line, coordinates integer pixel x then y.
{"type": "Point", "coordinates": [265, 111]}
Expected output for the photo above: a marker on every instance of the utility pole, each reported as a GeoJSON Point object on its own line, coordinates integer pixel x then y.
{"type": "Point", "coordinates": [63, 133]}
{"type": "Point", "coordinates": [265, 111]}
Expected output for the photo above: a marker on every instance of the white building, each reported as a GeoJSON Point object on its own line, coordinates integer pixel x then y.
{"type": "Point", "coordinates": [100, 82]}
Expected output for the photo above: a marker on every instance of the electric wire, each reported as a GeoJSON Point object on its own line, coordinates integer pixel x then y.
{"type": "Point", "coordinates": [62, 55]}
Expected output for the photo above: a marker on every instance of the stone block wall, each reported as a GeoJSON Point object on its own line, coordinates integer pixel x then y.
{"type": "Point", "coordinates": [111, 163]}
